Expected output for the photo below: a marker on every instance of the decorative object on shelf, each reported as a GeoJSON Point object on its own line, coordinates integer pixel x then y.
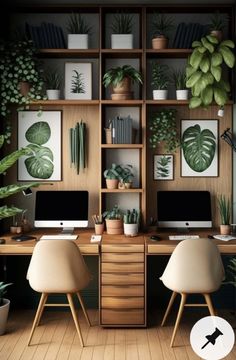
{"type": "Point", "coordinates": [119, 176]}
{"type": "Point", "coordinates": [228, 136]}
{"type": "Point", "coordinates": [122, 130]}
{"type": "Point", "coordinates": [114, 221]}
{"type": "Point", "coordinates": [186, 33]}
{"type": "Point", "coordinates": [162, 24]}
{"type": "Point", "coordinates": [4, 307]}
{"type": "Point", "coordinates": [122, 37]}
{"type": "Point", "coordinates": [218, 23]}
{"type": "Point", "coordinates": [98, 224]}
{"type": "Point", "coordinates": [78, 32]}
{"type": "Point", "coordinates": [204, 71]}
{"type": "Point", "coordinates": [53, 82]}
{"type": "Point", "coordinates": [163, 128]}
{"type": "Point", "coordinates": [42, 138]}
{"type": "Point", "coordinates": [46, 36]}
{"type": "Point", "coordinates": [179, 79]}
{"type": "Point", "coordinates": [19, 63]}
{"type": "Point", "coordinates": [112, 176]}
{"type": "Point", "coordinates": [131, 222]}
{"type": "Point", "coordinates": [160, 81]}
{"type": "Point", "coordinates": [225, 211]}
{"type": "Point", "coordinates": [199, 153]}
{"type": "Point", "coordinates": [120, 78]}
{"type": "Point", "coordinates": [78, 146]}
{"type": "Point", "coordinates": [163, 167]}
{"type": "Point", "coordinates": [78, 81]}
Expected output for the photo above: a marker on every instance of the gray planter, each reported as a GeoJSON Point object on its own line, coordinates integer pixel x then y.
{"type": "Point", "coordinates": [4, 309]}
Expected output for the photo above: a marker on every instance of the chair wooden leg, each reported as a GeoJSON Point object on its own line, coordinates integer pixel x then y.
{"type": "Point", "coordinates": [180, 312]}
{"type": "Point", "coordinates": [41, 311]}
{"type": "Point", "coordinates": [83, 308]}
{"type": "Point", "coordinates": [173, 296]}
{"type": "Point", "coordinates": [209, 304]}
{"type": "Point", "coordinates": [72, 307]}
{"type": "Point", "coordinates": [38, 315]}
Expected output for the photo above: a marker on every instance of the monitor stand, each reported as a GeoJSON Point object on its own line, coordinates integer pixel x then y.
{"type": "Point", "coordinates": [68, 230]}
{"type": "Point", "coordinates": [182, 230]}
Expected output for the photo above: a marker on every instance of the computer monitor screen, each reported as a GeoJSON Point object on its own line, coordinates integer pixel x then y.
{"type": "Point", "coordinates": [184, 209]}
{"type": "Point", "coordinates": [65, 209]}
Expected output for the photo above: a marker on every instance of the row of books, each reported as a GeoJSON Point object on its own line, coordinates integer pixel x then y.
{"type": "Point", "coordinates": [187, 33]}
{"type": "Point", "coordinates": [46, 36]}
{"type": "Point", "coordinates": [121, 130]}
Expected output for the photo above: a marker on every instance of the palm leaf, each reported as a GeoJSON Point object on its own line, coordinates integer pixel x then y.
{"type": "Point", "coordinates": [9, 160]}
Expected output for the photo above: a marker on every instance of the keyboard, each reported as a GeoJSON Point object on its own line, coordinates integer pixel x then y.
{"type": "Point", "coordinates": [59, 237]}
{"type": "Point", "coordinates": [183, 237]}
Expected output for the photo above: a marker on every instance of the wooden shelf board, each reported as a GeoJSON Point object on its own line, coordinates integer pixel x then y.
{"type": "Point", "coordinates": [122, 190]}
{"type": "Point", "coordinates": [175, 53]}
{"type": "Point", "coordinates": [62, 53]}
{"type": "Point", "coordinates": [167, 102]}
{"type": "Point", "coordinates": [122, 102]}
{"type": "Point", "coordinates": [122, 146]}
{"type": "Point", "coordinates": [122, 53]}
{"type": "Point", "coordinates": [65, 102]}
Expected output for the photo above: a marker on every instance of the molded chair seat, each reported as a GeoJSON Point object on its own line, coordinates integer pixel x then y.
{"type": "Point", "coordinates": [57, 267]}
{"type": "Point", "coordinates": [195, 266]}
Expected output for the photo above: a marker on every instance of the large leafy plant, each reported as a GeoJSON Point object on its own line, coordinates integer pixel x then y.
{"type": "Point", "coordinates": [204, 71]}
{"type": "Point", "coordinates": [116, 75]}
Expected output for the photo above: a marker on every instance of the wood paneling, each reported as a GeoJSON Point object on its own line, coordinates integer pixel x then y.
{"type": "Point", "coordinates": [127, 290]}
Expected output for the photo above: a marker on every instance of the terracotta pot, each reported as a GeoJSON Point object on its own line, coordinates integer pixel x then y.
{"type": "Point", "coordinates": [225, 229]}
{"type": "Point", "coordinates": [112, 183]}
{"type": "Point", "coordinates": [123, 87]}
{"type": "Point", "coordinates": [114, 227]}
{"type": "Point", "coordinates": [24, 87]}
{"type": "Point", "coordinates": [218, 34]}
{"type": "Point", "coordinates": [126, 96]}
{"type": "Point", "coordinates": [99, 228]}
{"type": "Point", "coordinates": [160, 42]}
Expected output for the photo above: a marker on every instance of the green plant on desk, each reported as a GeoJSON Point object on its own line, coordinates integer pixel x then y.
{"type": "Point", "coordinates": [224, 207]}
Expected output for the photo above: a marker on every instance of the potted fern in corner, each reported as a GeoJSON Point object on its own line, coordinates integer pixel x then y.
{"type": "Point", "coordinates": [122, 37]}
{"type": "Point", "coordinates": [78, 32]}
{"type": "Point", "coordinates": [225, 210]}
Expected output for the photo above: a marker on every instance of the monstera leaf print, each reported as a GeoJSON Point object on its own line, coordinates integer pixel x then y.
{"type": "Point", "coordinates": [38, 133]}
{"type": "Point", "coordinates": [199, 147]}
{"type": "Point", "coordinates": [40, 163]}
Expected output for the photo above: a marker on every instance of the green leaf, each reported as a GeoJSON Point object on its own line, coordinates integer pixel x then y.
{"type": "Point", "coordinates": [207, 45]}
{"type": "Point", "coordinates": [216, 72]}
{"type": "Point", "coordinates": [195, 59]}
{"type": "Point", "coordinates": [212, 39]}
{"type": "Point", "coordinates": [228, 56]}
{"type": "Point", "coordinates": [9, 160]}
{"type": "Point", "coordinates": [196, 44]}
{"type": "Point", "coordinates": [6, 211]}
{"type": "Point", "coordinates": [40, 164]}
{"type": "Point", "coordinates": [193, 79]}
{"type": "Point", "coordinates": [224, 84]}
{"type": "Point", "coordinates": [216, 59]}
{"type": "Point", "coordinates": [207, 95]}
{"type": "Point", "coordinates": [199, 147]}
{"type": "Point", "coordinates": [189, 71]}
{"type": "Point", "coordinates": [205, 64]}
{"type": "Point", "coordinates": [38, 133]}
{"type": "Point", "coordinates": [9, 190]}
{"type": "Point", "coordinates": [220, 96]}
{"type": "Point", "coordinates": [228, 43]}
{"type": "Point", "coordinates": [194, 102]}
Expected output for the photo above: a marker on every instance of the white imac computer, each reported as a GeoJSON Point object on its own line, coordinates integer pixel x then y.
{"type": "Point", "coordinates": [184, 209]}
{"type": "Point", "coordinates": [66, 209]}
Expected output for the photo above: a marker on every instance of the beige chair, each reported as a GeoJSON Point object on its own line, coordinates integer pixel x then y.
{"type": "Point", "coordinates": [57, 267]}
{"type": "Point", "coordinates": [195, 266]}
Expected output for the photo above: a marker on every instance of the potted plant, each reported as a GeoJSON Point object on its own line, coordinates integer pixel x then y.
{"type": "Point", "coordinates": [204, 71]}
{"type": "Point", "coordinates": [225, 210]}
{"type": "Point", "coordinates": [125, 176]}
{"type": "Point", "coordinates": [122, 37]}
{"type": "Point", "coordinates": [20, 75]}
{"type": "Point", "coordinates": [163, 128]}
{"type": "Point", "coordinates": [114, 221]}
{"type": "Point", "coordinates": [4, 307]}
{"type": "Point", "coordinates": [131, 222]}
{"type": "Point", "coordinates": [53, 81]}
{"type": "Point", "coordinates": [112, 176]}
{"type": "Point", "coordinates": [161, 25]}
{"type": "Point", "coordinates": [78, 32]}
{"type": "Point", "coordinates": [179, 79]}
{"type": "Point", "coordinates": [217, 24]}
{"type": "Point", "coordinates": [120, 78]}
{"type": "Point", "coordinates": [160, 81]}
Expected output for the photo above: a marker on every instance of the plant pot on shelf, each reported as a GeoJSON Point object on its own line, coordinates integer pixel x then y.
{"type": "Point", "coordinates": [53, 94]}
{"type": "Point", "coordinates": [122, 41]}
{"type": "Point", "coordinates": [225, 229]}
{"type": "Point", "coordinates": [112, 183]}
{"type": "Point", "coordinates": [114, 227]}
{"type": "Point", "coordinates": [77, 41]}
{"type": "Point", "coordinates": [160, 42]}
{"type": "Point", "coordinates": [131, 229]}
{"type": "Point", "coordinates": [182, 94]}
{"type": "Point", "coordinates": [218, 34]}
{"type": "Point", "coordinates": [160, 94]}
{"type": "Point", "coordinates": [24, 88]}
{"type": "Point", "coordinates": [99, 228]}
{"type": "Point", "coordinates": [122, 91]}
{"type": "Point", "coordinates": [4, 309]}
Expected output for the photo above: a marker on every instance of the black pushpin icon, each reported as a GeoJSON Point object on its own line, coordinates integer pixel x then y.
{"type": "Point", "coordinates": [212, 338]}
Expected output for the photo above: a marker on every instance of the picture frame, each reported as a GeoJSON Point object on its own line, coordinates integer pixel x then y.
{"type": "Point", "coordinates": [163, 167]}
{"type": "Point", "coordinates": [42, 135]}
{"type": "Point", "coordinates": [78, 81]}
{"type": "Point", "coordinates": [199, 158]}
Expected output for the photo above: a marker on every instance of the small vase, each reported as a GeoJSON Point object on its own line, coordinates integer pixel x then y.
{"type": "Point", "coordinates": [112, 183]}
{"type": "Point", "coordinates": [225, 229]}
{"type": "Point", "coordinates": [99, 228]}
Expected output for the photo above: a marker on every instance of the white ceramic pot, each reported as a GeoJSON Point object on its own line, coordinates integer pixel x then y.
{"type": "Point", "coordinates": [122, 41]}
{"type": "Point", "coordinates": [182, 94]}
{"type": "Point", "coordinates": [77, 41]}
{"type": "Point", "coordinates": [4, 309]}
{"type": "Point", "coordinates": [53, 94]}
{"type": "Point", "coordinates": [130, 229]}
{"type": "Point", "coordinates": [160, 94]}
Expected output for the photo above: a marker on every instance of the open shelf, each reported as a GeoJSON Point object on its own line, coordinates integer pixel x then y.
{"type": "Point", "coordinates": [122, 146]}
{"type": "Point", "coordinates": [69, 53]}
{"type": "Point", "coordinates": [169, 53]}
{"type": "Point", "coordinates": [133, 190]}
{"type": "Point", "coordinates": [66, 102]}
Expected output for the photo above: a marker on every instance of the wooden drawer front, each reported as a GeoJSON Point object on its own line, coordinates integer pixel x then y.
{"type": "Point", "coordinates": [122, 317]}
{"type": "Point", "coordinates": [113, 290]}
{"type": "Point", "coordinates": [127, 258]}
{"type": "Point", "coordinates": [123, 267]}
{"type": "Point", "coordinates": [123, 248]}
{"type": "Point", "coordinates": [122, 302]}
{"type": "Point", "coordinates": [122, 279]}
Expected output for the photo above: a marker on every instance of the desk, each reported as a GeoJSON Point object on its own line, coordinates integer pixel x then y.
{"type": "Point", "coordinates": [122, 270]}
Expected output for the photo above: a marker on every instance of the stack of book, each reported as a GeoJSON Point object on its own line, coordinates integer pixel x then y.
{"type": "Point", "coordinates": [121, 130]}
{"type": "Point", "coordinates": [187, 33]}
{"type": "Point", "coordinates": [46, 36]}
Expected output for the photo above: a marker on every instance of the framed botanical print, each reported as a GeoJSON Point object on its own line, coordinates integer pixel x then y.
{"type": "Point", "coordinates": [199, 153]}
{"type": "Point", "coordinates": [42, 136]}
{"type": "Point", "coordinates": [78, 81]}
{"type": "Point", "coordinates": [163, 167]}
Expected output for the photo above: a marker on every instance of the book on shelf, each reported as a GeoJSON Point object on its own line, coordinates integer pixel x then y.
{"type": "Point", "coordinates": [121, 130]}
{"type": "Point", "coordinates": [46, 36]}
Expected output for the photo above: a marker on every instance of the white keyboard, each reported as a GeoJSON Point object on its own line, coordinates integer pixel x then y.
{"type": "Point", "coordinates": [59, 237]}
{"type": "Point", "coordinates": [183, 237]}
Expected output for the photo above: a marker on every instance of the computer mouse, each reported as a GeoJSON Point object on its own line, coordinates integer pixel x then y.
{"type": "Point", "coordinates": [155, 237]}
{"type": "Point", "coordinates": [2, 241]}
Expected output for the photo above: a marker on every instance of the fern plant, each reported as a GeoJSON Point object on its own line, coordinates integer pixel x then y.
{"type": "Point", "coordinates": [122, 24]}
{"type": "Point", "coordinates": [77, 86]}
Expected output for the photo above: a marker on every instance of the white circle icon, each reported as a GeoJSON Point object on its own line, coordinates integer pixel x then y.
{"type": "Point", "coordinates": [212, 338]}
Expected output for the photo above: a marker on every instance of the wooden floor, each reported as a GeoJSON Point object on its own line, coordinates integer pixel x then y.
{"type": "Point", "coordinates": [56, 339]}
